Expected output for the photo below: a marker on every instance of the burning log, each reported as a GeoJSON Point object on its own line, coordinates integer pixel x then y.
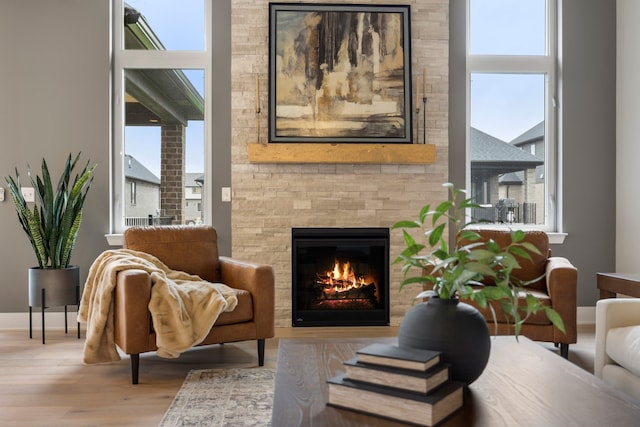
{"type": "Point", "coordinates": [353, 292]}
{"type": "Point", "coordinates": [342, 283]}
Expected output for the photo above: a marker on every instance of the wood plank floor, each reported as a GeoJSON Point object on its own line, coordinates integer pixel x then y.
{"type": "Point", "coordinates": [47, 385]}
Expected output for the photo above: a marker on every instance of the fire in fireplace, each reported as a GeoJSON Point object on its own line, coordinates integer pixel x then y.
{"type": "Point", "coordinates": [340, 276]}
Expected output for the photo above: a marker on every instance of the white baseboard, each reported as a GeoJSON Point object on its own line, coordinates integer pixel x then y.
{"type": "Point", "coordinates": [55, 320]}
{"type": "Point", "coordinates": [586, 315]}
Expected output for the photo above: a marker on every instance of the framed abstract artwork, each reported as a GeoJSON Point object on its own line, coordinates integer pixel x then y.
{"type": "Point", "coordinates": [339, 73]}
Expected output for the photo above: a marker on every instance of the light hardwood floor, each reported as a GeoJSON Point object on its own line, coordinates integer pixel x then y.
{"type": "Point", "coordinates": [47, 385]}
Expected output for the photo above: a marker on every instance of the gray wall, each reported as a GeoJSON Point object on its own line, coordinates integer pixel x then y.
{"type": "Point", "coordinates": [589, 138]}
{"type": "Point", "coordinates": [221, 123]}
{"type": "Point", "coordinates": [54, 99]}
{"type": "Point", "coordinates": [627, 147]}
{"type": "Point", "coordinates": [587, 133]}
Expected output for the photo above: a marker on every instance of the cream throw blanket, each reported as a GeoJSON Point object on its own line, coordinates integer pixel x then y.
{"type": "Point", "coordinates": [183, 307]}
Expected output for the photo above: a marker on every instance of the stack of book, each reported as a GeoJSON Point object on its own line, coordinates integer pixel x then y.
{"type": "Point", "coordinates": [410, 385]}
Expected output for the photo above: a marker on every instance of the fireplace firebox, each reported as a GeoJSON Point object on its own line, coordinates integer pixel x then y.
{"type": "Point", "coordinates": [340, 276]}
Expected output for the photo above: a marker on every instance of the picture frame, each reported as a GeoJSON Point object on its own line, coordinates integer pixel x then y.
{"type": "Point", "coordinates": [340, 73]}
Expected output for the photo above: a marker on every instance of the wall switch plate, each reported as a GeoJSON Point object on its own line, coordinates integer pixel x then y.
{"type": "Point", "coordinates": [226, 194]}
{"type": "Point", "coordinates": [1, 194]}
{"type": "Point", "coordinates": [28, 193]}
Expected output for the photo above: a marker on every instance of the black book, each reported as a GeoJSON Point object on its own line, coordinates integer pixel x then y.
{"type": "Point", "coordinates": [407, 379]}
{"type": "Point", "coordinates": [417, 408]}
{"type": "Point", "coordinates": [399, 357]}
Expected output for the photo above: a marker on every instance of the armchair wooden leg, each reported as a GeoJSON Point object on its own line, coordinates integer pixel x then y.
{"type": "Point", "coordinates": [135, 368]}
{"type": "Point", "coordinates": [564, 350]}
{"type": "Point", "coordinates": [261, 352]}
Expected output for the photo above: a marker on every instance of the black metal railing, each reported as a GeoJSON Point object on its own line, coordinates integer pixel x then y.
{"type": "Point", "coordinates": [506, 213]}
{"type": "Point", "coordinates": [137, 221]}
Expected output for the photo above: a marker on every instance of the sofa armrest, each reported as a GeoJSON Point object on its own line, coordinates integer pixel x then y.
{"type": "Point", "coordinates": [612, 313]}
{"type": "Point", "coordinates": [562, 286]}
{"type": "Point", "coordinates": [259, 280]}
{"type": "Point", "coordinates": [131, 309]}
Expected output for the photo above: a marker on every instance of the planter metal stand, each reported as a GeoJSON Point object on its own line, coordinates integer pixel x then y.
{"type": "Point", "coordinates": [53, 288]}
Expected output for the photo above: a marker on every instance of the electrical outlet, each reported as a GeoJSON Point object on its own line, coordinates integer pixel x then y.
{"type": "Point", "coordinates": [226, 194]}
{"type": "Point", "coordinates": [28, 193]}
{"type": "Point", "coordinates": [1, 194]}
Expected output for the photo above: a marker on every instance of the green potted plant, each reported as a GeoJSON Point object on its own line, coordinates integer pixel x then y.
{"type": "Point", "coordinates": [52, 226]}
{"type": "Point", "coordinates": [449, 274]}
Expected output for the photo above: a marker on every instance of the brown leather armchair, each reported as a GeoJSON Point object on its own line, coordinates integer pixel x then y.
{"type": "Point", "coordinates": [558, 289]}
{"type": "Point", "coordinates": [192, 249]}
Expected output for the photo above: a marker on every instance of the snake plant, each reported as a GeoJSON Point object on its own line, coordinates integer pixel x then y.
{"type": "Point", "coordinates": [53, 222]}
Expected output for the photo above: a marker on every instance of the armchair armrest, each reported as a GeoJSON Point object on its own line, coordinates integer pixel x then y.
{"type": "Point", "coordinates": [562, 286]}
{"type": "Point", "coordinates": [259, 280]}
{"type": "Point", "coordinates": [612, 313]}
{"type": "Point", "coordinates": [131, 310]}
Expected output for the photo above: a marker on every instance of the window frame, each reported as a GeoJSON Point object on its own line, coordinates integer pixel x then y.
{"type": "Point", "coordinates": [527, 64]}
{"type": "Point", "coordinates": [123, 59]}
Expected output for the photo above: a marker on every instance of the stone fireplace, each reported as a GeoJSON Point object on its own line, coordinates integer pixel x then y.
{"type": "Point", "coordinates": [340, 276]}
{"type": "Point", "coordinates": [269, 200]}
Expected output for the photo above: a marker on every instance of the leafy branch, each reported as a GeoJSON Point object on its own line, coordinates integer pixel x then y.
{"type": "Point", "coordinates": [459, 271]}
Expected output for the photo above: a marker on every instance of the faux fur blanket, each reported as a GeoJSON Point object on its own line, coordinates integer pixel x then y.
{"type": "Point", "coordinates": [183, 307]}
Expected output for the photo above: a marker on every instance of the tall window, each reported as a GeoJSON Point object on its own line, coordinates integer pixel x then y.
{"type": "Point", "coordinates": [511, 98]}
{"type": "Point", "coordinates": [161, 116]}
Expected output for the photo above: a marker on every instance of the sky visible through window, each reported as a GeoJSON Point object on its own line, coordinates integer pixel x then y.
{"type": "Point", "coordinates": [179, 24]}
{"type": "Point", "coordinates": [506, 106]}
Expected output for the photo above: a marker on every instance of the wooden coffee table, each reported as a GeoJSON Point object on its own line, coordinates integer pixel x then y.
{"type": "Point", "coordinates": [524, 384]}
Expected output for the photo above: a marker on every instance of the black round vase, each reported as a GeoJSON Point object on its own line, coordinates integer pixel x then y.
{"type": "Point", "coordinates": [455, 329]}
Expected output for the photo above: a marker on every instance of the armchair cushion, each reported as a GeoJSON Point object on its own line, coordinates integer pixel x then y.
{"type": "Point", "coordinates": [623, 346]}
{"type": "Point", "coordinates": [190, 249]}
{"type": "Point", "coordinates": [242, 313]}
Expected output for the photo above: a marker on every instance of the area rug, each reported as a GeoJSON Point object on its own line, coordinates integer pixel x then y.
{"type": "Point", "coordinates": [223, 397]}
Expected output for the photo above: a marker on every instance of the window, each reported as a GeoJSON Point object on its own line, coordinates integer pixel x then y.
{"type": "Point", "coordinates": [161, 116]}
{"type": "Point", "coordinates": [511, 93]}
{"type": "Point", "coordinates": [133, 193]}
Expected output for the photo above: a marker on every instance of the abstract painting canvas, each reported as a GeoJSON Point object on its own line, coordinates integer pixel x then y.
{"type": "Point", "coordinates": [339, 73]}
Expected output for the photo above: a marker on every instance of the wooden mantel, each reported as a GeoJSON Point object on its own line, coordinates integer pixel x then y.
{"type": "Point", "coordinates": [342, 153]}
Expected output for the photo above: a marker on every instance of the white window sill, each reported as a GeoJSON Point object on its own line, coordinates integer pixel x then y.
{"type": "Point", "coordinates": [114, 239]}
{"type": "Point", "coordinates": [555, 238]}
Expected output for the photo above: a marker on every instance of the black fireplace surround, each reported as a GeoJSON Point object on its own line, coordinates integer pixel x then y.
{"type": "Point", "coordinates": [340, 276]}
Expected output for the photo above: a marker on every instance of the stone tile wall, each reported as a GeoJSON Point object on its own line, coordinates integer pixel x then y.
{"type": "Point", "coordinates": [269, 199]}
